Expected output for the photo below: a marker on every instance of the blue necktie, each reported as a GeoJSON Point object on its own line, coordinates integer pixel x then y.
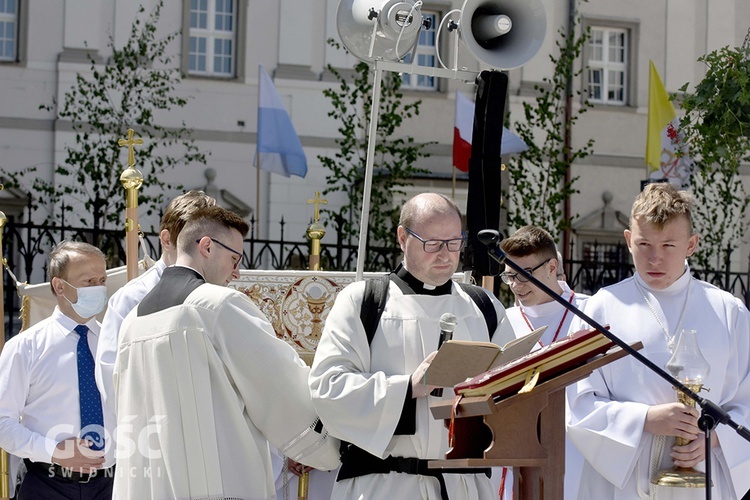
{"type": "Point", "coordinates": [92, 422]}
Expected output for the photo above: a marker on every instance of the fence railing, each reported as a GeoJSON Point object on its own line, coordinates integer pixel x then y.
{"type": "Point", "coordinates": [26, 245]}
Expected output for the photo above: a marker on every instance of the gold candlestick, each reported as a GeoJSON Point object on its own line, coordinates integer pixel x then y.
{"type": "Point", "coordinates": [687, 365]}
{"type": "Point", "coordinates": [302, 484]}
{"type": "Point", "coordinates": [316, 231]}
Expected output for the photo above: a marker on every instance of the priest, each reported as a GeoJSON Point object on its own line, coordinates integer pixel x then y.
{"type": "Point", "coordinates": [624, 418]}
{"type": "Point", "coordinates": [203, 384]}
{"type": "Point", "coordinates": [373, 394]}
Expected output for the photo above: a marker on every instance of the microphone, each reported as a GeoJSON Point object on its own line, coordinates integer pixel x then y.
{"type": "Point", "coordinates": [489, 237]}
{"type": "Point", "coordinates": [448, 323]}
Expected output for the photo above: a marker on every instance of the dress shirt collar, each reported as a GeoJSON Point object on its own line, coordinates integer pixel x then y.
{"type": "Point", "coordinates": [68, 324]}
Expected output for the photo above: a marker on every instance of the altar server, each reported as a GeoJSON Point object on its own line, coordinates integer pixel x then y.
{"type": "Point", "coordinates": [624, 418]}
{"type": "Point", "coordinates": [203, 384]}
{"type": "Point", "coordinates": [126, 298]}
{"type": "Point", "coordinates": [373, 396]}
{"type": "Point", "coordinates": [534, 249]}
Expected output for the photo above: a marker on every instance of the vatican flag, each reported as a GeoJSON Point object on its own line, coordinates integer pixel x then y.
{"type": "Point", "coordinates": [667, 154]}
{"type": "Point", "coordinates": [660, 113]}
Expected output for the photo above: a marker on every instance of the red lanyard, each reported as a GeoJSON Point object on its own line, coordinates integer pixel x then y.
{"type": "Point", "coordinates": [559, 327]}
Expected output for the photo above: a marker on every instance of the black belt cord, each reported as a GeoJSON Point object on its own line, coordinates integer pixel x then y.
{"type": "Point", "coordinates": [356, 462]}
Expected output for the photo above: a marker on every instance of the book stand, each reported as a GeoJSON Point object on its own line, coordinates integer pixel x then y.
{"type": "Point", "coordinates": [529, 431]}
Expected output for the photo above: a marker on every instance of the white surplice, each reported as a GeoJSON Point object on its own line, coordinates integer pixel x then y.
{"type": "Point", "coordinates": [119, 306]}
{"type": "Point", "coordinates": [608, 410]}
{"type": "Point", "coordinates": [557, 319]}
{"type": "Point", "coordinates": [359, 389]}
{"type": "Point", "coordinates": [201, 390]}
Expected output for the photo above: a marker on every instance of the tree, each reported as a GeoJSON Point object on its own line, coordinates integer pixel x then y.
{"type": "Point", "coordinates": [537, 176]}
{"type": "Point", "coordinates": [394, 156]}
{"type": "Point", "coordinates": [128, 92]}
{"type": "Point", "coordinates": [716, 125]}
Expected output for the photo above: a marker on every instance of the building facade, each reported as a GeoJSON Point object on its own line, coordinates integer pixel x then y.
{"type": "Point", "coordinates": [44, 45]}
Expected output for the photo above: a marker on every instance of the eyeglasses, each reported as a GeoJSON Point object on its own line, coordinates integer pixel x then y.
{"type": "Point", "coordinates": [235, 252]}
{"type": "Point", "coordinates": [434, 246]}
{"type": "Point", "coordinates": [509, 278]}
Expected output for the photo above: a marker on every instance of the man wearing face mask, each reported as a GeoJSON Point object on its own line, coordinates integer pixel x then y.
{"type": "Point", "coordinates": [50, 408]}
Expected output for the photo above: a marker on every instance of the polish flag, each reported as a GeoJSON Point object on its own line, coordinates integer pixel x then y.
{"type": "Point", "coordinates": [463, 128]}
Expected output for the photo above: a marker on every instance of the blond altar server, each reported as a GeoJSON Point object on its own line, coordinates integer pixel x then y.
{"type": "Point", "coordinates": [372, 395]}
{"type": "Point", "coordinates": [534, 249]}
{"type": "Point", "coordinates": [203, 384]}
{"type": "Point", "coordinates": [624, 418]}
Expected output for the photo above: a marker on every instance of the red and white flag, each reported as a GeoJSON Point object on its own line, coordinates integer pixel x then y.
{"type": "Point", "coordinates": [463, 128]}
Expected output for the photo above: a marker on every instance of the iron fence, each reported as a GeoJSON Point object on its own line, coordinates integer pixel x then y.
{"type": "Point", "coordinates": [26, 245]}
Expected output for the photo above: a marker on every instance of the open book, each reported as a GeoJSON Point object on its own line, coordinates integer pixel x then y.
{"type": "Point", "coordinates": [536, 367]}
{"type": "Point", "coordinates": [458, 360]}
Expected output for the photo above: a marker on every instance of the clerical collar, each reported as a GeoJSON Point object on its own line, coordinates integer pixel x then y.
{"type": "Point", "coordinates": [416, 286]}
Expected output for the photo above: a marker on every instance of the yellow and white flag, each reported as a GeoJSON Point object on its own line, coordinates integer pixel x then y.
{"type": "Point", "coordinates": [666, 150]}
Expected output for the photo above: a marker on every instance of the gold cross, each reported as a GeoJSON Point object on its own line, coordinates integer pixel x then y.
{"type": "Point", "coordinates": [317, 201]}
{"type": "Point", "coordinates": [130, 143]}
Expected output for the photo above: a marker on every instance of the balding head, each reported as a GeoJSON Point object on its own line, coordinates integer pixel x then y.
{"type": "Point", "coordinates": [430, 216]}
{"type": "Point", "coordinates": [427, 204]}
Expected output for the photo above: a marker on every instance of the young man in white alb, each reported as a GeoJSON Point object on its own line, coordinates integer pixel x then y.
{"type": "Point", "coordinates": [624, 418]}
{"type": "Point", "coordinates": [533, 249]}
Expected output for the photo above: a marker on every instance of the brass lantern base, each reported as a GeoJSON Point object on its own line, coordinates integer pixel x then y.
{"type": "Point", "coordinates": [680, 477]}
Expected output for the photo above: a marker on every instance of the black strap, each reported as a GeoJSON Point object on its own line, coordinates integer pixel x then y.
{"type": "Point", "coordinates": [356, 462]}
{"type": "Point", "coordinates": [373, 304]}
{"type": "Point", "coordinates": [376, 294]}
{"type": "Point", "coordinates": [483, 301]}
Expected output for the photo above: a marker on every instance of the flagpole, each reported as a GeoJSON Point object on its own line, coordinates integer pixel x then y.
{"type": "Point", "coordinates": [453, 184]}
{"type": "Point", "coordinates": [257, 193]}
{"type": "Point", "coordinates": [257, 160]}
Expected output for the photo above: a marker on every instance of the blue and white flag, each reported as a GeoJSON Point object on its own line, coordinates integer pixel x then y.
{"type": "Point", "coordinates": [279, 149]}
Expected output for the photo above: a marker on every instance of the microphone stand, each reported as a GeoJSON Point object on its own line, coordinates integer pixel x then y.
{"type": "Point", "coordinates": [711, 413]}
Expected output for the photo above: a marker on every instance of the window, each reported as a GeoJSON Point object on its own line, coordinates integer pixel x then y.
{"type": "Point", "coordinates": [426, 55]}
{"type": "Point", "coordinates": [8, 30]}
{"type": "Point", "coordinates": [608, 66]}
{"type": "Point", "coordinates": [212, 42]}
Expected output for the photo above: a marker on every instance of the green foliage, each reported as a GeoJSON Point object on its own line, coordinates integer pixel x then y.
{"type": "Point", "coordinates": [393, 159]}
{"type": "Point", "coordinates": [126, 93]}
{"type": "Point", "coordinates": [717, 127]}
{"type": "Point", "coordinates": [537, 176]}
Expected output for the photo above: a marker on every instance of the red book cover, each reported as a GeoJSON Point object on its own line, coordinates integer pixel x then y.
{"type": "Point", "coordinates": [538, 365]}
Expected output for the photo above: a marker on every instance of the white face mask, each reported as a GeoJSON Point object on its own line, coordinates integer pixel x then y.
{"type": "Point", "coordinates": [91, 300]}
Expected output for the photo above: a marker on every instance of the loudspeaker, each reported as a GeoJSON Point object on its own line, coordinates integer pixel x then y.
{"type": "Point", "coordinates": [378, 29]}
{"type": "Point", "coordinates": [505, 34]}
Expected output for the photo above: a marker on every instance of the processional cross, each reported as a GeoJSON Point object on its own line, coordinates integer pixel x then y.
{"type": "Point", "coordinates": [131, 180]}
{"type": "Point", "coordinates": [317, 201]}
{"type": "Point", "coordinates": [130, 143]}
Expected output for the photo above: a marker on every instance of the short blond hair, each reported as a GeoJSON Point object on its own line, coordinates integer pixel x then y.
{"type": "Point", "coordinates": [661, 203]}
